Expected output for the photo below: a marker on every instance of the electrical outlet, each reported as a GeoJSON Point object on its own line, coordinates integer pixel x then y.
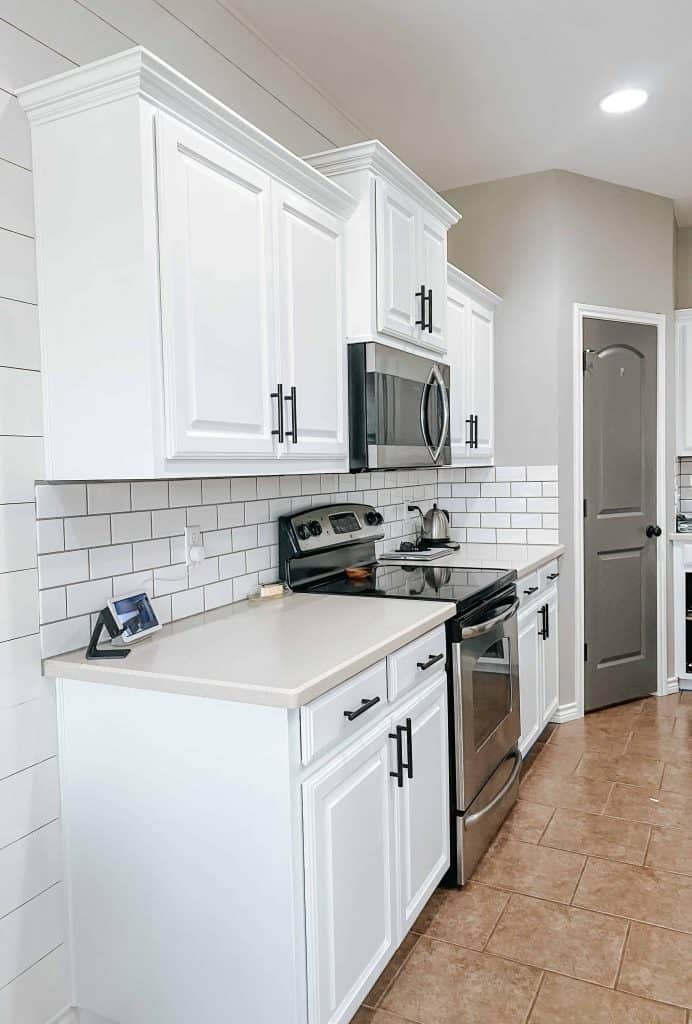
{"type": "Point", "coordinates": [194, 545]}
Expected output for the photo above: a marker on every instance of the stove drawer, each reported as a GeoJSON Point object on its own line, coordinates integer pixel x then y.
{"type": "Point", "coordinates": [417, 661]}
{"type": "Point", "coordinates": [343, 712]}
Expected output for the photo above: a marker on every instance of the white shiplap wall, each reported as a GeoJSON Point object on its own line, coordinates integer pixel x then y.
{"type": "Point", "coordinates": [39, 38]}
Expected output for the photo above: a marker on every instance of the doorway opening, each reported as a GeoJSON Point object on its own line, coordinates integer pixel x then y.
{"type": "Point", "coordinates": [620, 505]}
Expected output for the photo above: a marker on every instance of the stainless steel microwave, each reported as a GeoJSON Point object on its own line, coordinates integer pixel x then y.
{"type": "Point", "coordinates": [398, 406]}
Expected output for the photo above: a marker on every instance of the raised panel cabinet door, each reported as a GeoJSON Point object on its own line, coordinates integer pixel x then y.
{"type": "Point", "coordinates": [481, 380]}
{"type": "Point", "coordinates": [398, 263]}
{"type": "Point", "coordinates": [458, 314]}
{"type": "Point", "coordinates": [550, 658]}
{"type": "Point", "coordinates": [422, 808]}
{"type": "Point", "coordinates": [530, 700]}
{"type": "Point", "coordinates": [349, 877]}
{"type": "Point", "coordinates": [434, 275]}
{"type": "Point", "coordinates": [216, 298]}
{"type": "Point", "coordinates": [310, 280]}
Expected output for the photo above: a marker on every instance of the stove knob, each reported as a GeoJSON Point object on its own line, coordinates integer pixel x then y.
{"type": "Point", "coordinates": [303, 531]}
{"type": "Point", "coordinates": [373, 518]}
{"type": "Point", "coordinates": [315, 528]}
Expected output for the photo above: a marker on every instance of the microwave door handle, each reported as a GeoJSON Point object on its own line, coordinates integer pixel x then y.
{"type": "Point", "coordinates": [424, 417]}
{"type": "Point", "coordinates": [442, 388]}
{"type": "Point", "coordinates": [470, 632]}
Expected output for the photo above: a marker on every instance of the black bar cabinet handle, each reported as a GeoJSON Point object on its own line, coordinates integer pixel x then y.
{"type": "Point", "coordinates": [541, 611]}
{"type": "Point", "coordinates": [399, 773]}
{"type": "Point", "coordinates": [429, 312]}
{"type": "Point", "coordinates": [552, 575]}
{"type": "Point", "coordinates": [365, 705]}
{"type": "Point", "coordinates": [531, 590]}
{"type": "Point", "coordinates": [421, 295]}
{"type": "Point", "coordinates": [547, 622]}
{"type": "Point", "coordinates": [432, 660]}
{"type": "Point", "coordinates": [469, 440]}
{"type": "Point", "coordinates": [408, 765]}
{"type": "Point", "coordinates": [475, 431]}
{"type": "Point", "coordinates": [293, 433]}
{"type": "Point", "coordinates": [279, 395]}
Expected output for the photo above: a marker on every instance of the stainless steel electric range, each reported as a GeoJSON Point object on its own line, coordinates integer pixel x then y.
{"type": "Point", "coordinates": [318, 551]}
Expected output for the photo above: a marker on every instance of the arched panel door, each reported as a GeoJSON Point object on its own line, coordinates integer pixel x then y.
{"type": "Point", "coordinates": [620, 504]}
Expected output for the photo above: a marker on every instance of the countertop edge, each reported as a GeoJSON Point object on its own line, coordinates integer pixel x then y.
{"type": "Point", "coordinates": [557, 552]}
{"type": "Point", "coordinates": [432, 614]}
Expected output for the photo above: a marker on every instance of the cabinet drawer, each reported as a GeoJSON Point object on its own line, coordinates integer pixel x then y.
{"type": "Point", "coordinates": [326, 720]}
{"type": "Point", "coordinates": [417, 661]}
{"type": "Point", "coordinates": [527, 588]}
{"type": "Point", "coordinates": [548, 574]}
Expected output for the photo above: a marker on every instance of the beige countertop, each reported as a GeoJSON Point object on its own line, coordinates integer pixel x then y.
{"type": "Point", "coordinates": [281, 653]}
{"type": "Point", "coordinates": [525, 558]}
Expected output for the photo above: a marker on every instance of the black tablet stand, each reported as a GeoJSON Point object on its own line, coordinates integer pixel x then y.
{"type": "Point", "coordinates": [107, 622]}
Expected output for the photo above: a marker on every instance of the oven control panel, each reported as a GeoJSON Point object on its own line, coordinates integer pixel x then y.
{"type": "Point", "coordinates": [332, 525]}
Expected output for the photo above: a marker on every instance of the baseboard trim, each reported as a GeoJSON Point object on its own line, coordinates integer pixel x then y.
{"type": "Point", "coordinates": [672, 685]}
{"type": "Point", "coordinates": [566, 713]}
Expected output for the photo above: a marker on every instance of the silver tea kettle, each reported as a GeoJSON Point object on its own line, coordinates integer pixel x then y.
{"type": "Point", "coordinates": [435, 523]}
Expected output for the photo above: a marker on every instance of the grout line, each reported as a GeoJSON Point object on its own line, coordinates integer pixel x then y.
{"type": "Point", "coordinates": [581, 875]}
{"type": "Point", "coordinates": [499, 918]}
{"type": "Point", "coordinates": [36, 896]}
{"type": "Point", "coordinates": [622, 955]}
{"type": "Point", "coordinates": [527, 1018]}
{"type": "Point", "coordinates": [31, 966]}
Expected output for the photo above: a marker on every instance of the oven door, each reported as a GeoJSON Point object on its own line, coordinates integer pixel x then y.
{"type": "Point", "coordinates": [408, 412]}
{"type": "Point", "coordinates": [485, 680]}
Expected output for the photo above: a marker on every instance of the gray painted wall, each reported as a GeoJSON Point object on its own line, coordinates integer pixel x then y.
{"type": "Point", "coordinates": [545, 241]}
{"type": "Point", "coordinates": [683, 268]}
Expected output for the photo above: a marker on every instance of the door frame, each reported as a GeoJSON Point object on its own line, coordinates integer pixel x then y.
{"type": "Point", "coordinates": [582, 311]}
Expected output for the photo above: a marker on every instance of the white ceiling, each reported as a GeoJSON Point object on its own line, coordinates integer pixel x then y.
{"type": "Point", "coordinates": [471, 90]}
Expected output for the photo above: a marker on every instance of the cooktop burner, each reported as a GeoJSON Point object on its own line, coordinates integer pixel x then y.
{"type": "Point", "coordinates": [430, 582]}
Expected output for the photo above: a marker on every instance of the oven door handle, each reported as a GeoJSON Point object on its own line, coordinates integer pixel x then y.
{"type": "Point", "coordinates": [436, 377]}
{"type": "Point", "coordinates": [469, 632]}
{"type": "Point", "coordinates": [473, 819]}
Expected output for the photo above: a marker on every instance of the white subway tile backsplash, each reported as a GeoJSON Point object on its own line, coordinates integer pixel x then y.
{"type": "Point", "coordinates": [52, 605]}
{"type": "Point", "coordinates": [87, 531]}
{"type": "Point", "coordinates": [53, 500]}
{"type": "Point", "coordinates": [110, 561]}
{"type": "Point", "coordinates": [21, 464]}
{"type": "Point", "coordinates": [541, 505]}
{"type": "Point", "coordinates": [133, 535]}
{"type": "Point", "coordinates": [184, 492]}
{"type": "Point", "coordinates": [168, 521]}
{"type": "Point", "coordinates": [148, 554]}
{"type": "Point", "coordinates": [63, 567]}
{"type": "Point", "coordinates": [149, 494]}
{"type": "Point", "coordinates": [541, 472]}
{"type": "Point", "coordinates": [527, 490]}
{"type": "Point", "coordinates": [204, 516]}
{"type": "Point", "coordinates": [216, 492]}
{"type": "Point", "coordinates": [88, 597]}
{"type": "Point", "coordinates": [108, 497]}
{"type": "Point", "coordinates": [244, 488]}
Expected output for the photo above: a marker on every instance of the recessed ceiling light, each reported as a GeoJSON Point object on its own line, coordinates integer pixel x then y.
{"type": "Point", "coordinates": [624, 100]}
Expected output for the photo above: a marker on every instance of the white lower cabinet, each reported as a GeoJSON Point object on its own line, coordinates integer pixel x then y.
{"type": "Point", "coordinates": [376, 832]}
{"type": "Point", "coordinates": [538, 664]}
{"type": "Point", "coordinates": [422, 803]}
{"type": "Point", "coordinates": [349, 876]}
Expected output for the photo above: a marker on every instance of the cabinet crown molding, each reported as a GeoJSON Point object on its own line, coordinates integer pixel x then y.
{"type": "Point", "coordinates": [138, 73]}
{"type": "Point", "coordinates": [373, 156]}
{"type": "Point", "coordinates": [474, 289]}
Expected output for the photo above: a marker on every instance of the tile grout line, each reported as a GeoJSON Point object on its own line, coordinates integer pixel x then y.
{"type": "Point", "coordinates": [536, 994]}
{"type": "Point", "coordinates": [622, 956]}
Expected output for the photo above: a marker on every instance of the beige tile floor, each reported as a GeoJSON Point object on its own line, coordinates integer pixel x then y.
{"type": "Point", "coordinates": [581, 911]}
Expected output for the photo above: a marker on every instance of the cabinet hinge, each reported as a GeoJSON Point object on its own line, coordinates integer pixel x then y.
{"type": "Point", "coordinates": [586, 652]}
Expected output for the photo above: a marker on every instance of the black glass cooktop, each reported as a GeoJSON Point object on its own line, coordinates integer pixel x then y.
{"type": "Point", "coordinates": [426, 582]}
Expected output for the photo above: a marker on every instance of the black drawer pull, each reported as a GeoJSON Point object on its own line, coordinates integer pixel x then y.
{"type": "Point", "coordinates": [432, 660]}
{"type": "Point", "coordinates": [365, 705]}
{"type": "Point", "coordinates": [552, 575]}
{"type": "Point", "coordinates": [399, 773]}
{"type": "Point", "coordinates": [408, 765]}
{"type": "Point", "coordinates": [531, 590]}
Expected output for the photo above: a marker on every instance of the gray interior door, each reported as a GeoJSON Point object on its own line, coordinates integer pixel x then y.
{"type": "Point", "coordinates": [620, 504]}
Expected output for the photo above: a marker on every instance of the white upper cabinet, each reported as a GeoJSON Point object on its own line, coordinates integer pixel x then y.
{"type": "Point", "coordinates": [310, 280]}
{"type": "Point", "coordinates": [219, 346]}
{"type": "Point", "coordinates": [191, 273]}
{"type": "Point", "coordinates": [397, 240]}
{"type": "Point", "coordinates": [683, 341]}
{"type": "Point", "coordinates": [470, 330]}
